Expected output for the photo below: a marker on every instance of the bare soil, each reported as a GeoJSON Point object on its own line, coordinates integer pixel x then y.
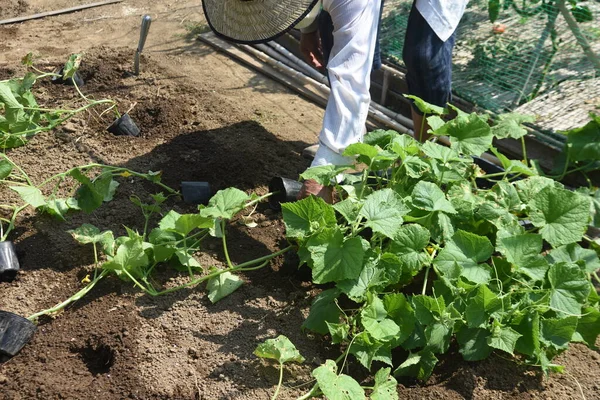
{"type": "Point", "coordinates": [203, 117]}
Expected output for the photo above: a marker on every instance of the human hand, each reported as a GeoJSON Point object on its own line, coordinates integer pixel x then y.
{"type": "Point", "coordinates": [311, 187]}
{"type": "Point", "coordinates": [310, 46]}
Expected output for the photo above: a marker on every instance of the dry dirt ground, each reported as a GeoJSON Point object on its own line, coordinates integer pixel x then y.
{"type": "Point", "coordinates": [203, 117]}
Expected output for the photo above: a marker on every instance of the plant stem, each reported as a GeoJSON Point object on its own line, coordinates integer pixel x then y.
{"type": "Point", "coordinates": [70, 300]}
{"type": "Point", "coordinates": [223, 237]}
{"type": "Point", "coordinates": [280, 382]}
{"type": "Point", "coordinates": [524, 150]}
{"type": "Point", "coordinates": [314, 391]}
{"type": "Point", "coordinates": [11, 223]}
{"type": "Point", "coordinates": [425, 280]}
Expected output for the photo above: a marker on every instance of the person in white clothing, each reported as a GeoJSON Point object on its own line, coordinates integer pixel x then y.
{"type": "Point", "coordinates": [355, 24]}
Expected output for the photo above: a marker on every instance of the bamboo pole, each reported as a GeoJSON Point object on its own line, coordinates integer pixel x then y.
{"type": "Point", "coordinates": [57, 12]}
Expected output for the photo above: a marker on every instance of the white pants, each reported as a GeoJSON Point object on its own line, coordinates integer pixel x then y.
{"type": "Point", "coordinates": [354, 35]}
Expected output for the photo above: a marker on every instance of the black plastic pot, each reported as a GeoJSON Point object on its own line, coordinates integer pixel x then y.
{"type": "Point", "coordinates": [124, 126]}
{"type": "Point", "coordinates": [196, 192]}
{"type": "Point", "coordinates": [15, 332]}
{"type": "Point", "coordinates": [59, 80]}
{"type": "Point", "coordinates": [9, 263]}
{"type": "Point", "coordinates": [284, 190]}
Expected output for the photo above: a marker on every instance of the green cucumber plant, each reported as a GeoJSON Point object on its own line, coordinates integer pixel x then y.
{"type": "Point", "coordinates": [418, 255]}
{"type": "Point", "coordinates": [135, 256]}
{"type": "Point", "coordinates": [94, 185]}
{"type": "Point", "coordinates": [20, 115]}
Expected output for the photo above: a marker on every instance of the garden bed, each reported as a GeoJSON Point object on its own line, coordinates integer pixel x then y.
{"type": "Point", "coordinates": [230, 128]}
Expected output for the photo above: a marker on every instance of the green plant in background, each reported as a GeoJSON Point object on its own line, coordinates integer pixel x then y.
{"type": "Point", "coordinates": [20, 115]}
{"type": "Point", "coordinates": [135, 256]}
{"type": "Point", "coordinates": [504, 269]}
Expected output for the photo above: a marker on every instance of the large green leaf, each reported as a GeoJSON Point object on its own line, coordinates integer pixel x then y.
{"type": "Point", "coordinates": [383, 211]}
{"type": "Point", "coordinates": [371, 276]}
{"type": "Point", "coordinates": [409, 244]}
{"type": "Point", "coordinates": [307, 216]}
{"type": "Point", "coordinates": [466, 250]}
{"type": "Point", "coordinates": [337, 386]}
{"type": "Point", "coordinates": [31, 195]}
{"type": "Point", "coordinates": [439, 152]}
{"type": "Point", "coordinates": [375, 321]}
{"type": "Point", "coordinates": [438, 337]}
{"type": "Point", "coordinates": [88, 233]}
{"type": "Point", "coordinates": [348, 208]}
{"type": "Point", "coordinates": [364, 152]}
{"type": "Point", "coordinates": [584, 143]}
{"type": "Point", "coordinates": [225, 204]}
{"type": "Point", "coordinates": [188, 222]}
{"type": "Point", "coordinates": [222, 286]}
{"type": "Point", "coordinates": [429, 197]}
{"type": "Point", "coordinates": [385, 386]}
{"type": "Point", "coordinates": [480, 306]}
{"type": "Point", "coordinates": [335, 258]}
{"type": "Point", "coordinates": [557, 333]}
{"type": "Point", "coordinates": [509, 125]}
{"type": "Point", "coordinates": [130, 257]}
{"type": "Point", "coordinates": [324, 174]}
{"type": "Point", "coordinates": [530, 187]}
{"type": "Point", "coordinates": [419, 365]}
{"type": "Point", "coordinates": [169, 221]}
{"type": "Point", "coordinates": [570, 288]}
{"type": "Point", "coordinates": [470, 135]}
{"type": "Point", "coordinates": [399, 309]}
{"type": "Point", "coordinates": [425, 107]}
{"type": "Point", "coordinates": [338, 332]}
{"type": "Point", "coordinates": [504, 338]}
{"type": "Point", "coordinates": [366, 350]}
{"type": "Point", "coordinates": [588, 326]}
{"type": "Point", "coordinates": [280, 349]}
{"type": "Point", "coordinates": [323, 310]}
{"type": "Point", "coordinates": [7, 97]}
{"type": "Point", "coordinates": [529, 328]}
{"type": "Point", "coordinates": [524, 252]}
{"type": "Point", "coordinates": [473, 343]}
{"type": "Point", "coordinates": [587, 259]}
{"type": "Point", "coordinates": [561, 215]}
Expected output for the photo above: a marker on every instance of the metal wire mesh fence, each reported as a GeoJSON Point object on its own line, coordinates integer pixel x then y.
{"type": "Point", "coordinates": [532, 50]}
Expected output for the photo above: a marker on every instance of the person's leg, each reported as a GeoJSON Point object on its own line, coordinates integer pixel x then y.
{"type": "Point", "coordinates": [326, 35]}
{"type": "Point", "coordinates": [428, 62]}
{"type": "Point", "coordinates": [349, 68]}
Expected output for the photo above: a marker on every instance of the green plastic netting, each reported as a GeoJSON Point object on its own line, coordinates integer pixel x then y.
{"type": "Point", "coordinates": [532, 59]}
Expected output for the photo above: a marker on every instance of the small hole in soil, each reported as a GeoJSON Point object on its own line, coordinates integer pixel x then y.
{"type": "Point", "coordinates": [98, 358]}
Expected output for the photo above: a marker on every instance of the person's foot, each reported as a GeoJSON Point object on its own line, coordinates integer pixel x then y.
{"type": "Point", "coordinates": [311, 187]}
{"type": "Point", "coordinates": [310, 151]}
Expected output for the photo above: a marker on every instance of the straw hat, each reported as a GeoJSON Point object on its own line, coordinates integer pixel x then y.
{"type": "Point", "coordinates": [255, 21]}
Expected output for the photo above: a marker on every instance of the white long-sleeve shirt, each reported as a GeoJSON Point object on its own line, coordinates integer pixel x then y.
{"type": "Point", "coordinates": [355, 31]}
